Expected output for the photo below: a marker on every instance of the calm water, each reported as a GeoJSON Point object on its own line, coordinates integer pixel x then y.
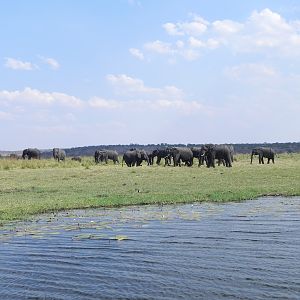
{"type": "Point", "coordinates": [248, 250]}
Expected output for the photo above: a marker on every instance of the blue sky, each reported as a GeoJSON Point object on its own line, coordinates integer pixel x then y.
{"type": "Point", "coordinates": [76, 73]}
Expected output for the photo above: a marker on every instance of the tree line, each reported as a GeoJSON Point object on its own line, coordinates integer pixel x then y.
{"type": "Point", "coordinates": [239, 148]}
{"type": "Point", "coordinates": [291, 147]}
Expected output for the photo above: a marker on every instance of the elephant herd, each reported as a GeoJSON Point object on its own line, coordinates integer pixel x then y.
{"type": "Point", "coordinates": [180, 155]}
{"type": "Point", "coordinates": [207, 154]}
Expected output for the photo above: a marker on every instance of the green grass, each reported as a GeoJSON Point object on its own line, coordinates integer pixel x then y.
{"type": "Point", "coordinates": [33, 187]}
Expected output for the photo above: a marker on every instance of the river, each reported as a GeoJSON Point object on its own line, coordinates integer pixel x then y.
{"type": "Point", "coordinates": [236, 250]}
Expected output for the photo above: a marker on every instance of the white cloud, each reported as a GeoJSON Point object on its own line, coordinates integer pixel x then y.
{"type": "Point", "coordinates": [225, 27]}
{"type": "Point", "coordinates": [195, 27]}
{"type": "Point", "coordinates": [136, 53]}
{"type": "Point", "coordinates": [140, 96]}
{"type": "Point", "coordinates": [264, 32]}
{"type": "Point", "coordinates": [187, 107]}
{"type": "Point", "coordinates": [98, 102]}
{"type": "Point", "coordinates": [180, 44]}
{"type": "Point", "coordinates": [190, 54]}
{"type": "Point", "coordinates": [172, 29]}
{"type": "Point", "coordinates": [134, 87]}
{"type": "Point", "coordinates": [51, 62]}
{"type": "Point", "coordinates": [251, 72]}
{"type": "Point", "coordinates": [196, 43]}
{"type": "Point", "coordinates": [159, 47]}
{"type": "Point", "coordinates": [34, 96]}
{"type": "Point", "coordinates": [16, 64]}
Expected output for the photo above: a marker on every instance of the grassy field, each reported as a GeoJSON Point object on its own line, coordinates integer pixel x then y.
{"type": "Point", "coordinates": [33, 187]}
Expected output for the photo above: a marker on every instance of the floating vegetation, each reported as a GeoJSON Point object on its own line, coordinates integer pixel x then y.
{"type": "Point", "coordinates": [119, 238]}
{"type": "Point", "coordinates": [89, 237]}
{"type": "Point", "coordinates": [98, 224]}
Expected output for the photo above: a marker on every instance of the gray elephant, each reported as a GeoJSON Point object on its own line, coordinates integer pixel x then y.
{"type": "Point", "coordinates": [162, 154]}
{"type": "Point", "coordinates": [183, 154]}
{"type": "Point", "coordinates": [151, 157]}
{"type": "Point", "coordinates": [220, 152]}
{"type": "Point", "coordinates": [59, 154]}
{"type": "Point", "coordinates": [76, 158]}
{"type": "Point", "coordinates": [262, 152]}
{"type": "Point", "coordinates": [134, 157]}
{"type": "Point", "coordinates": [97, 156]}
{"type": "Point", "coordinates": [222, 161]}
{"type": "Point", "coordinates": [144, 157]}
{"type": "Point", "coordinates": [197, 154]}
{"type": "Point", "coordinates": [231, 149]}
{"type": "Point", "coordinates": [105, 155]}
{"type": "Point", "coordinates": [13, 156]}
{"type": "Point", "coordinates": [31, 153]}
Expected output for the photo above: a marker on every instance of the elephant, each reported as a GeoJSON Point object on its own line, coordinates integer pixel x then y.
{"type": "Point", "coordinates": [134, 157]}
{"type": "Point", "coordinates": [231, 149]}
{"type": "Point", "coordinates": [182, 154]}
{"type": "Point", "coordinates": [162, 153]}
{"type": "Point", "coordinates": [105, 155]}
{"type": "Point", "coordinates": [59, 154]}
{"type": "Point", "coordinates": [31, 153]}
{"type": "Point", "coordinates": [220, 152]}
{"type": "Point", "coordinates": [197, 154]}
{"type": "Point", "coordinates": [98, 156]}
{"type": "Point", "coordinates": [76, 158]}
{"type": "Point", "coordinates": [151, 157]}
{"type": "Point", "coordinates": [262, 152]}
{"type": "Point", "coordinates": [222, 161]}
{"type": "Point", "coordinates": [13, 156]}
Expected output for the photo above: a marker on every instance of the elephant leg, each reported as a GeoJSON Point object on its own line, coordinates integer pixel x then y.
{"type": "Point", "coordinates": [229, 161]}
{"type": "Point", "coordinates": [206, 160]}
{"type": "Point", "coordinates": [167, 161]}
{"type": "Point", "coordinates": [213, 161]}
{"type": "Point", "coordinates": [175, 160]}
{"type": "Point", "coordinates": [268, 160]}
{"type": "Point", "coordinates": [179, 161]}
{"type": "Point", "coordinates": [158, 160]}
{"type": "Point", "coordinates": [262, 160]}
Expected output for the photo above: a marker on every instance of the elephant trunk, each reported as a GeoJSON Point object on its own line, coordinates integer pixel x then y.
{"type": "Point", "coordinates": [251, 157]}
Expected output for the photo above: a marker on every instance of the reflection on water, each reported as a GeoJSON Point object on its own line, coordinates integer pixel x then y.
{"type": "Point", "coordinates": [248, 250]}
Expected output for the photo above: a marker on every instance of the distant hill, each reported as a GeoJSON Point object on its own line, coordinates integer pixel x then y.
{"type": "Point", "coordinates": [90, 150]}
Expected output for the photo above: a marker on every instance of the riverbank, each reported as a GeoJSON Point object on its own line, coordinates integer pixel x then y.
{"type": "Point", "coordinates": [33, 187]}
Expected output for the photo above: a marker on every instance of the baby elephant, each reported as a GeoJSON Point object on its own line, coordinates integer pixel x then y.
{"type": "Point", "coordinates": [76, 158]}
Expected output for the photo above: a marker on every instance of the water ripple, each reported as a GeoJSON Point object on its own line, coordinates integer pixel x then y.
{"type": "Point", "coordinates": [247, 250]}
